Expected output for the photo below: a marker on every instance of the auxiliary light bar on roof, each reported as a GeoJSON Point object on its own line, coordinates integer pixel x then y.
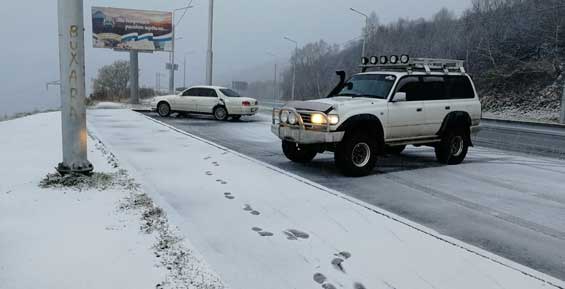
{"type": "Point", "coordinates": [404, 62]}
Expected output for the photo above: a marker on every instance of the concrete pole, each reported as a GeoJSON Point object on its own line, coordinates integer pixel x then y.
{"type": "Point", "coordinates": [73, 99]}
{"type": "Point", "coordinates": [210, 52]}
{"type": "Point", "coordinates": [134, 77]}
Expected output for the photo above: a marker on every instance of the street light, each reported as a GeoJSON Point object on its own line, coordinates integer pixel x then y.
{"type": "Point", "coordinates": [210, 52]}
{"type": "Point", "coordinates": [172, 56]}
{"type": "Point", "coordinates": [294, 65]}
{"type": "Point", "coordinates": [366, 29]}
{"type": "Point", "coordinates": [275, 94]}
{"type": "Point", "coordinates": [184, 67]}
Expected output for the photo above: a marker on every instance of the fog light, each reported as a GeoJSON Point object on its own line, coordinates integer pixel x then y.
{"type": "Point", "coordinates": [292, 119]}
{"type": "Point", "coordinates": [284, 116]}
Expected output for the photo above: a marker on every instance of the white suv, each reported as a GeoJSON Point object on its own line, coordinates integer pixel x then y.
{"type": "Point", "coordinates": [422, 102]}
{"type": "Point", "coordinates": [220, 102]}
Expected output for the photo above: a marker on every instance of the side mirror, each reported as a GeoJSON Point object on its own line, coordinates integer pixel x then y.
{"type": "Point", "coordinates": [349, 86]}
{"type": "Point", "coordinates": [399, 97]}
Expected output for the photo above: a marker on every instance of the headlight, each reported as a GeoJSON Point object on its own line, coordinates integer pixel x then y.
{"type": "Point", "coordinates": [318, 119]}
{"type": "Point", "coordinates": [334, 119]}
{"type": "Point", "coordinates": [284, 116]}
{"type": "Point", "coordinates": [292, 119]}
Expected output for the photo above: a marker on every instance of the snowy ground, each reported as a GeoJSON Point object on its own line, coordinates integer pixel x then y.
{"type": "Point", "coordinates": [83, 236]}
{"type": "Point", "coordinates": [260, 227]}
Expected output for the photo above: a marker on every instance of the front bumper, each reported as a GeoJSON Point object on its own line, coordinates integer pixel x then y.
{"type": "Point", "coordinates": [301, 136]}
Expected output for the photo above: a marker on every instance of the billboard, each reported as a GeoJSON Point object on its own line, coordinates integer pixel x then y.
{"type": "Point", "coordinates": [127, 29]}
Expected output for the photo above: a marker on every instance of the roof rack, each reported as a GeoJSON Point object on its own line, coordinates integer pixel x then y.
{"type": "Point", "coordinates": [421, 64]}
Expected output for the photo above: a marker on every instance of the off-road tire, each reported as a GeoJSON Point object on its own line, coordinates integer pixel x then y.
{"type": "Point", "coordinates": [453, 148]}
{"type": "Point", "coordinates": [357, 154]}
{"type": "Point", "coordinates": [396, 150]}
{"type": "Point", "coordinates": [164, 109]}
{"type": "Point", "coordinates": [221, 113]}
{"type": "Point", "coordinates": [298, 153]}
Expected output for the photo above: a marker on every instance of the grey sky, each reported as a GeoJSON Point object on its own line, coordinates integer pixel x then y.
{"type": "Point", "coordinates": [245, 31]}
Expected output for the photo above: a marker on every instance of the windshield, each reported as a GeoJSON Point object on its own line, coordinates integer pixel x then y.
{"type": "Point", "coordinates": [368, 85]}
{"type": "Point", "coordinates": [230, 93]}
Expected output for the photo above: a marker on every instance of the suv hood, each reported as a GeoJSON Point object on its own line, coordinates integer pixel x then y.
{"type": "Point", "coordinates": [327, 104]}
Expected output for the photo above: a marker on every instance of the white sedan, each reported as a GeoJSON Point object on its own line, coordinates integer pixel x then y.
{"type": "Point", "coordinates": [220, 102]}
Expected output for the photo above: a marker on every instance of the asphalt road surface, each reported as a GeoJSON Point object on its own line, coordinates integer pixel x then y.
{"type": "Point", "coordinates": [508, 203]}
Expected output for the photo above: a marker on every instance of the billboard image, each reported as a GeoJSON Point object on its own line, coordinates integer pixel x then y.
{"type": "Point", "coordinates": [127, 29]}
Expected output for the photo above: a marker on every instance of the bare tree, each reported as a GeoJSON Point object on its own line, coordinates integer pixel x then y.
{"type": "Point", "coordinates": [112, 82]}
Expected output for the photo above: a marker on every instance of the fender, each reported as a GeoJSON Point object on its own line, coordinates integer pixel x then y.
{"type": "Point", "coordinates": [457, 119]}
{"type": "Point", "coordinates": [366, 122]}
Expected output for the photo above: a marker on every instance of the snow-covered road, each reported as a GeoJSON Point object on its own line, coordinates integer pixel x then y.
{"type": "Point", "coordinates": [507, 203]}
{"type": "Point", "coordinates": [261, 227]}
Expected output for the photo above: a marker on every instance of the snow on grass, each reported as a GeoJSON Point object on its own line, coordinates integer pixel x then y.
{"type": "Point", "coordinates": [75, 231]}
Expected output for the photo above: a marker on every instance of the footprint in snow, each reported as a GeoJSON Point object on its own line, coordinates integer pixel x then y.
{"type": "Point", "coordinates": [207, 158]}
{"type": "Point", "coordinates": [345, 255]}
{"type": "Point", "coordinates": [337, 263]}
{"type": "Point", "coordinates": [249, 209]}
{"type": "Point", "coordinates": [358, 286]}
{"type": "Point", "coordinates": [261, 232]}
{"type": "Point", "coordinates": [293, 234]}
{"type": "Point", "coordinates": [319, 278]}
{"type": "Point", "coordinates": [216, 164]}
{"type": "Point", "coordinates": [328, 286]}
{"type": "Point", "coordinates": [209, 173]}
{"type": "Point", "coordinates": [229, 196]}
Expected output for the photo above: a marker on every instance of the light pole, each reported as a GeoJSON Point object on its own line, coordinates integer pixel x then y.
{"type": "Point", "coordinates": [366, 32]}
{"type": "Point", "coordinates": [210, 52]}
{"type": "Point", "coordinates": [275, 84]}
{"type": "Point", "coordinates": [184, 67]}
{"type": "Point", "coordinates": [172, 56]}
{"type": "Point", "coordinates": [293, 66]}
{"type": "Point", "coordinates": [73, 88]}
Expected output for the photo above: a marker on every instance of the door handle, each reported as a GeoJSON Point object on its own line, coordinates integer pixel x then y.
{"type": "Point", "coordinates": [419, 109]}
{"type": "Point", "coordinates": [447, 107]}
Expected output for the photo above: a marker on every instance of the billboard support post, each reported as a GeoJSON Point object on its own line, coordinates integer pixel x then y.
{"type": "Point", "coordinates": [134, 77]}
{"type": "Point", "coordinates": [73, 99]}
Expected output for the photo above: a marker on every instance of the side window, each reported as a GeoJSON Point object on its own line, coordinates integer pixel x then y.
{"type": "Point", "coordinates": [412, 86]}
{"type": "Point", "coordinates": [434, 88]}
{"type": "Point", "coordinates": [459, 87]}
{"type": "Point", "coordinates": [206, 92]}
{"type": "Point", "coordinates": [191, 92]}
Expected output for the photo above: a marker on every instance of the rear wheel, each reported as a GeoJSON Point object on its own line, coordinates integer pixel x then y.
{"type": "Point", "coordinates": [164, 109]}
{"type": "Point", "coordinates": [453, 148]}
{"type": "Point", "coordinates": [220, 113]}
{"type": "Point", "coordinates": [298, 153]}
{"type": "Point", "coordinates": [356, 155]}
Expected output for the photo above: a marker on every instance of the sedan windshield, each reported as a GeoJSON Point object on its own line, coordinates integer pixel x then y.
{"type": "Point", "coordinates": [368, 85]}
{"type": "Point", "coordinates": [230, 93]}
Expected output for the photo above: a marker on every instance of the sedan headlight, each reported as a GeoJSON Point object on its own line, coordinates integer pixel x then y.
{"type": "Point", "coordinates": [284, 116]}
{"type": "Point", "coordinates": [292, 119]}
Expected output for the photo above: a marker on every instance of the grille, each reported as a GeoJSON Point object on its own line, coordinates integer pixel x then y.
{"type": "Point", "coordinates": [306, 118]}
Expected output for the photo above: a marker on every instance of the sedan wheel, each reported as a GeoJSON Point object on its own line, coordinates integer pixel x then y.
{"type": "Point", "coordinates": [164, 109]}
{"type": "Point", "coordinates": [220, 113]}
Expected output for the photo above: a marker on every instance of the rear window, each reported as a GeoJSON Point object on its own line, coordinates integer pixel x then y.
{"type": "Point", "coordinates": [230, 93]}
{"type": "Point", "coordinates": [425, 88]}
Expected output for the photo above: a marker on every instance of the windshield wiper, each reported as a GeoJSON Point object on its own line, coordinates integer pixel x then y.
{"type": "Point", "coordinates": [346, 94]}
{"type": "Point", "coordinates": [367, 95]}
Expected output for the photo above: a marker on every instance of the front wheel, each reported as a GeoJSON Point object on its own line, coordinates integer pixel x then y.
{"type": "Point", "coordinates": [164, 109]}
{"type": "Point", "coordinates": [298, 153]}
{"type": "Point", "coordinates": [453, 148]}
{"type": "Point", "coordinates": [356, 155]}
{"type": "Point", "coordinates": [221, 113]}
